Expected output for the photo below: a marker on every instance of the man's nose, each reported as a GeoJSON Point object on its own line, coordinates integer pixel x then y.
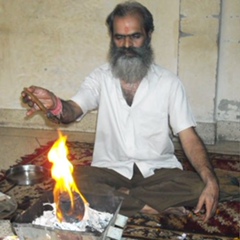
{"type": "Point", "coordinates": [128, 42]}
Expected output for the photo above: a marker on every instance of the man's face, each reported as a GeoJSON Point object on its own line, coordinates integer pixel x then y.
{"type": "Point", "coordinates": [130, 50]}
{"type": "Point", "coordinates": [129, 31]}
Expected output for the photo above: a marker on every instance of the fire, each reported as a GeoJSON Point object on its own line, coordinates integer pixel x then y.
{"type": "Point", "coordinates": [65, 186]}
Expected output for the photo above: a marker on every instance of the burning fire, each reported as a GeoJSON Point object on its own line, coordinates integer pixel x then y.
{"type": "Point", "coordinates": [65, 188]}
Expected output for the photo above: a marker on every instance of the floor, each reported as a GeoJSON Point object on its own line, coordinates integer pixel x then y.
{"type": "Point", "coordinates": [17, 142]}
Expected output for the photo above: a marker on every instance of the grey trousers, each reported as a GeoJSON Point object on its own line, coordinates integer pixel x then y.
{"type": "Point", "coordinates": [166, 188]}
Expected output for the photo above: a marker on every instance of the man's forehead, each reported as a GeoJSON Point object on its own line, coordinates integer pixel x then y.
{"type": "Point", "coordinates": [128, 24]}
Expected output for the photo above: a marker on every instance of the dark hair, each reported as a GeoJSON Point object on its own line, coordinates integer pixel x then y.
{"type": "Point", "coordinates": [129, 8]}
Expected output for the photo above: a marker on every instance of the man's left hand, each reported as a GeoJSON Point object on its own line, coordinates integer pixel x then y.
{"type": "Point", "coordinates": [209, 200]}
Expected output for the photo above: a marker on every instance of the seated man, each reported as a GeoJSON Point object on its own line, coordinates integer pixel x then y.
{"type": "Point", "coordinates": [139, 103]}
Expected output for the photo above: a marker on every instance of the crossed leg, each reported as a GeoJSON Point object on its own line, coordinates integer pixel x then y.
{"type": "Point", "coordinates": [166, 189]}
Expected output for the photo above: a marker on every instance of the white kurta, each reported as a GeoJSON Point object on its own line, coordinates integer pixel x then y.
{"type": "Point", "coordinates": [138, 134]}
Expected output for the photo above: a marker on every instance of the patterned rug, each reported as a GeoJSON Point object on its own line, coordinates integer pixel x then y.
{"type": "Point", "coordinates": [224, 226]}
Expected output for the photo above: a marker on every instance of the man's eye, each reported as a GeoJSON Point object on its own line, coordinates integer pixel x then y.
{"type": "Point", "coordinates": [136, 36]}
{"type": "Point", "coordinates": [119, 37]}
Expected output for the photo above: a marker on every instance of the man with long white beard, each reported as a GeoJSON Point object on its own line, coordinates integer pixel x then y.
{"type": "Point", "coordinates": [139, 104]}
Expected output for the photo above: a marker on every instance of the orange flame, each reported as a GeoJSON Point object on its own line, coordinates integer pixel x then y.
{"type": "Point", "coordinates": [61, 172]}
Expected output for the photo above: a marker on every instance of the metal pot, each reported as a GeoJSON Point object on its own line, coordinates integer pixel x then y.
{"type": "Point", "coordinates": [26, 174]}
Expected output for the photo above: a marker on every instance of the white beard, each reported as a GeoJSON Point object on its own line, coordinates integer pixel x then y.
{"type": "Point", "coordinates": [131, 68]}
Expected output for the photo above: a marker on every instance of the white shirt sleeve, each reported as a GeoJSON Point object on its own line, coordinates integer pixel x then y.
{"type": "Point", "coordinates": [180, 113]}
{"type": "Point", "coordinates": [87, 96]}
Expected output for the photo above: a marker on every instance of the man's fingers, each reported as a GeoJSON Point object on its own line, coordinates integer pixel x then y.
{"type": "Point", "coordinates": [210, 211]}
{"type": "Point", "coordinates": [30, 112]}
{"type": "Point", "coordinates": [27, 100]}
{"type": "Point", "coordinates": [30, 104]}
{"type": "Point", "coordinates": [199, 206]}
{"type": "Point", "coordinates": [206, 208]}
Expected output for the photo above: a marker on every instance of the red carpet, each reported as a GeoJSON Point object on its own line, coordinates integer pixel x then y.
{"type": "Point", "coordinates": [225, 225]}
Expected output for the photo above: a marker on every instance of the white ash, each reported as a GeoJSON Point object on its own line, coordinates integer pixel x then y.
{"type": "Point", "coordinates": [92, 218]}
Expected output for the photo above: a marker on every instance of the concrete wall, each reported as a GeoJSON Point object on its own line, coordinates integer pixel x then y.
{"type": "Point", "coordinates": [228, 75]}
{"type": "Point", "coordinates": [56, 43]}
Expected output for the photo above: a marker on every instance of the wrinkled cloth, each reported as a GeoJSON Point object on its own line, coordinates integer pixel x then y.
{"type": "Point", "coordinates": [166, 188]}
{"type": "Point", "coordinates": [7, 205]}
{"type": "Point", "coordinates": [229, 182]}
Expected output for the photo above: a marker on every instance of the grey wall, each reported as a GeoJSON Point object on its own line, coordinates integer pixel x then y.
{"type": "Point", "coordinates": [55, 44]}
